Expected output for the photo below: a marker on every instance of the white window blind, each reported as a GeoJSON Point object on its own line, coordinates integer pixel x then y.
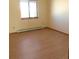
{"type": "Point", "coordinates": [28, 8]}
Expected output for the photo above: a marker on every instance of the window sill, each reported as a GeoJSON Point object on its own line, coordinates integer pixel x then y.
{"type": "Point", "coordinates": [29, 18]}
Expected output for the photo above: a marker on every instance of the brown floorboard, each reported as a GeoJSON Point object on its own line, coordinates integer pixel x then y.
{"type": "Point", "coordinates": [38, 44]}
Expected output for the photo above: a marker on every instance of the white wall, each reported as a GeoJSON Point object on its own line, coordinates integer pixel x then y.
{"type": "Point", "coordinates": [52, 13]}
{"type": "Point", "coordinates": [15, 23]}
{"type": "Point", "coordinates": [59, 15]}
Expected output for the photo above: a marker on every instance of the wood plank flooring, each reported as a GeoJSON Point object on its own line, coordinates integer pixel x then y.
{"type": "Point", "coordinates": [38, 44]}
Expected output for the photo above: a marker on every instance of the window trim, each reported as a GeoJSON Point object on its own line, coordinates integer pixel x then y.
{"type": "Point", "coordinates": [29, 18]}
{"type": "Point", "coordinates": [29, 12]}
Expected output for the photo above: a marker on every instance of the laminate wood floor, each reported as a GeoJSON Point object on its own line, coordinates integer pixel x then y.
{"type": "Point", "coordinates": [38, 44]}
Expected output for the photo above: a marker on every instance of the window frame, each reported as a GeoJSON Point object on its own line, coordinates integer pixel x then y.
{"type": "Point", "coordinates": [24, 18]}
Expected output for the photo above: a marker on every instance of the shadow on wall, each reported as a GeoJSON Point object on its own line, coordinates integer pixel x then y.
{"type": "Point", "coordinates": [59, 15]}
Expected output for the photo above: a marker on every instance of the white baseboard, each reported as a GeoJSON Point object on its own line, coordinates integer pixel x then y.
{"type": "Point", "coordinates": [29, 29]}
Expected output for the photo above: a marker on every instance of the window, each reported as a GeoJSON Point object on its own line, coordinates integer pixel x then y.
{"type": "Point", "coordinates": [28, 8]}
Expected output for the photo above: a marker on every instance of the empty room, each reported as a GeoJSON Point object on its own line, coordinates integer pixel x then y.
{"type": "Point", "coordinates": [38, 29]}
